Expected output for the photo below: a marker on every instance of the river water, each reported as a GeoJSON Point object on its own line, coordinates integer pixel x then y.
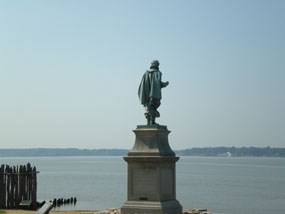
{"type": "Point", "coordinates": [219, 184]}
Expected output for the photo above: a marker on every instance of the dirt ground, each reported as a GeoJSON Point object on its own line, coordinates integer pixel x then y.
{"type": "Point", "coordinates": [108, 211]}
{"type": "Point", "coordinates": [51, 212]}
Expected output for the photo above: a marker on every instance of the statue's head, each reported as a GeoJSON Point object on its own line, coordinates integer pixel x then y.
{"type": "Point", "coordinates": [154, 64]}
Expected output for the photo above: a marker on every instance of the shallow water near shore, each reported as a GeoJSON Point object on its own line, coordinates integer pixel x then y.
{"type": "Point", "coordinates": [219, 184]}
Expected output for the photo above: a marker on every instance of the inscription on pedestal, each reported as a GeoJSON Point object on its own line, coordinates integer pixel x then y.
{"type": "Point", "coordinates": [144, 183]}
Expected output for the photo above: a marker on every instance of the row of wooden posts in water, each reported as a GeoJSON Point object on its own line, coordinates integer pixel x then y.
{"type": "Point", "coordinates": [17, 184]}
{"type": "Point", "coordinates": [61, 201]}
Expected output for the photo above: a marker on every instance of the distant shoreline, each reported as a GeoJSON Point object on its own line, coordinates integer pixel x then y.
{"type": "Point", "coordinates": [204, 152]}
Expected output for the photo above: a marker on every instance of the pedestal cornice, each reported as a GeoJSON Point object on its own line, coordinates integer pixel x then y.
{"type": "Point", "coordinates": [151, 140]}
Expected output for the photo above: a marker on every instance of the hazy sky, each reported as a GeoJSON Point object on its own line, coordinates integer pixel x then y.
{"type": "Point", "coordinates": [70, 70]}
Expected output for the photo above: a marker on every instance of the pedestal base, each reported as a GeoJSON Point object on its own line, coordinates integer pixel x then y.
{"type": "Point", "coordinates": [152, 207]}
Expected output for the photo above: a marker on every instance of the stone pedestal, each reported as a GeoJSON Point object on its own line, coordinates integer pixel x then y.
{"type": "Point", "coordinates": [151, 174]}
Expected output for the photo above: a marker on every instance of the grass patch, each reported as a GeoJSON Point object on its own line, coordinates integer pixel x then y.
{"type": "Point", "coordinates": [2, 212]}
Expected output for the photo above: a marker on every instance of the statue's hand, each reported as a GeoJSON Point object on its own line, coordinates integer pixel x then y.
{"type": "Point", "coordinates": [164, 84]}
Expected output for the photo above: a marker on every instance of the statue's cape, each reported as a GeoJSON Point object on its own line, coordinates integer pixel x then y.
{"type": "Point", "coordinates": [150, 86]}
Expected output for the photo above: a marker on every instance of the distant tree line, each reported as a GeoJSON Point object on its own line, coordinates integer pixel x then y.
{"type": "Point", "coordinates": [46, 152]}
{"type": "Point", "coordinates": [208, 151]}
{"type": "Point", "coordinates": [234, 152]}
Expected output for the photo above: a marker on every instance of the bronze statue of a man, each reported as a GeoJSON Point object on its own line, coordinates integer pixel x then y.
{"type": "Point", "coordinates": [150, 91]}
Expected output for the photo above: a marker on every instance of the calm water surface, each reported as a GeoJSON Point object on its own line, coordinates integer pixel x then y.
{"type": "Point", "coordinates": [222, 185]}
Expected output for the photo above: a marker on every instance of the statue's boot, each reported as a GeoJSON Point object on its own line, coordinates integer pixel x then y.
{"type": "Point", "coordinates": [148, 121]}
{"type": "Point", "coordinates": [157, 114]}
{"type": "Point", "coordinates": [153, 120]}
{"type": "Point", "coordinates": [147, 116]}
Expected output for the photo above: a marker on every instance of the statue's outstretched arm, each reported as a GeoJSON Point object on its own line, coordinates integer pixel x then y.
{"type": "Point", "coordinates": [164, 84]}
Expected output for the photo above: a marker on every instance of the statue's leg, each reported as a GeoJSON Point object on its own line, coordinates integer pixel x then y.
{"type": "Point", "coordinates": [152, 110]}
{"type": "Point", "coordinates": [157, 104]}
{"type": "Point", "coordinates": [147, 116]}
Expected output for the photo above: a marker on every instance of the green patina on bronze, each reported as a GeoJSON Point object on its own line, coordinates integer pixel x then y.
{"type": "Point", "coordinates": [150, 91]}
